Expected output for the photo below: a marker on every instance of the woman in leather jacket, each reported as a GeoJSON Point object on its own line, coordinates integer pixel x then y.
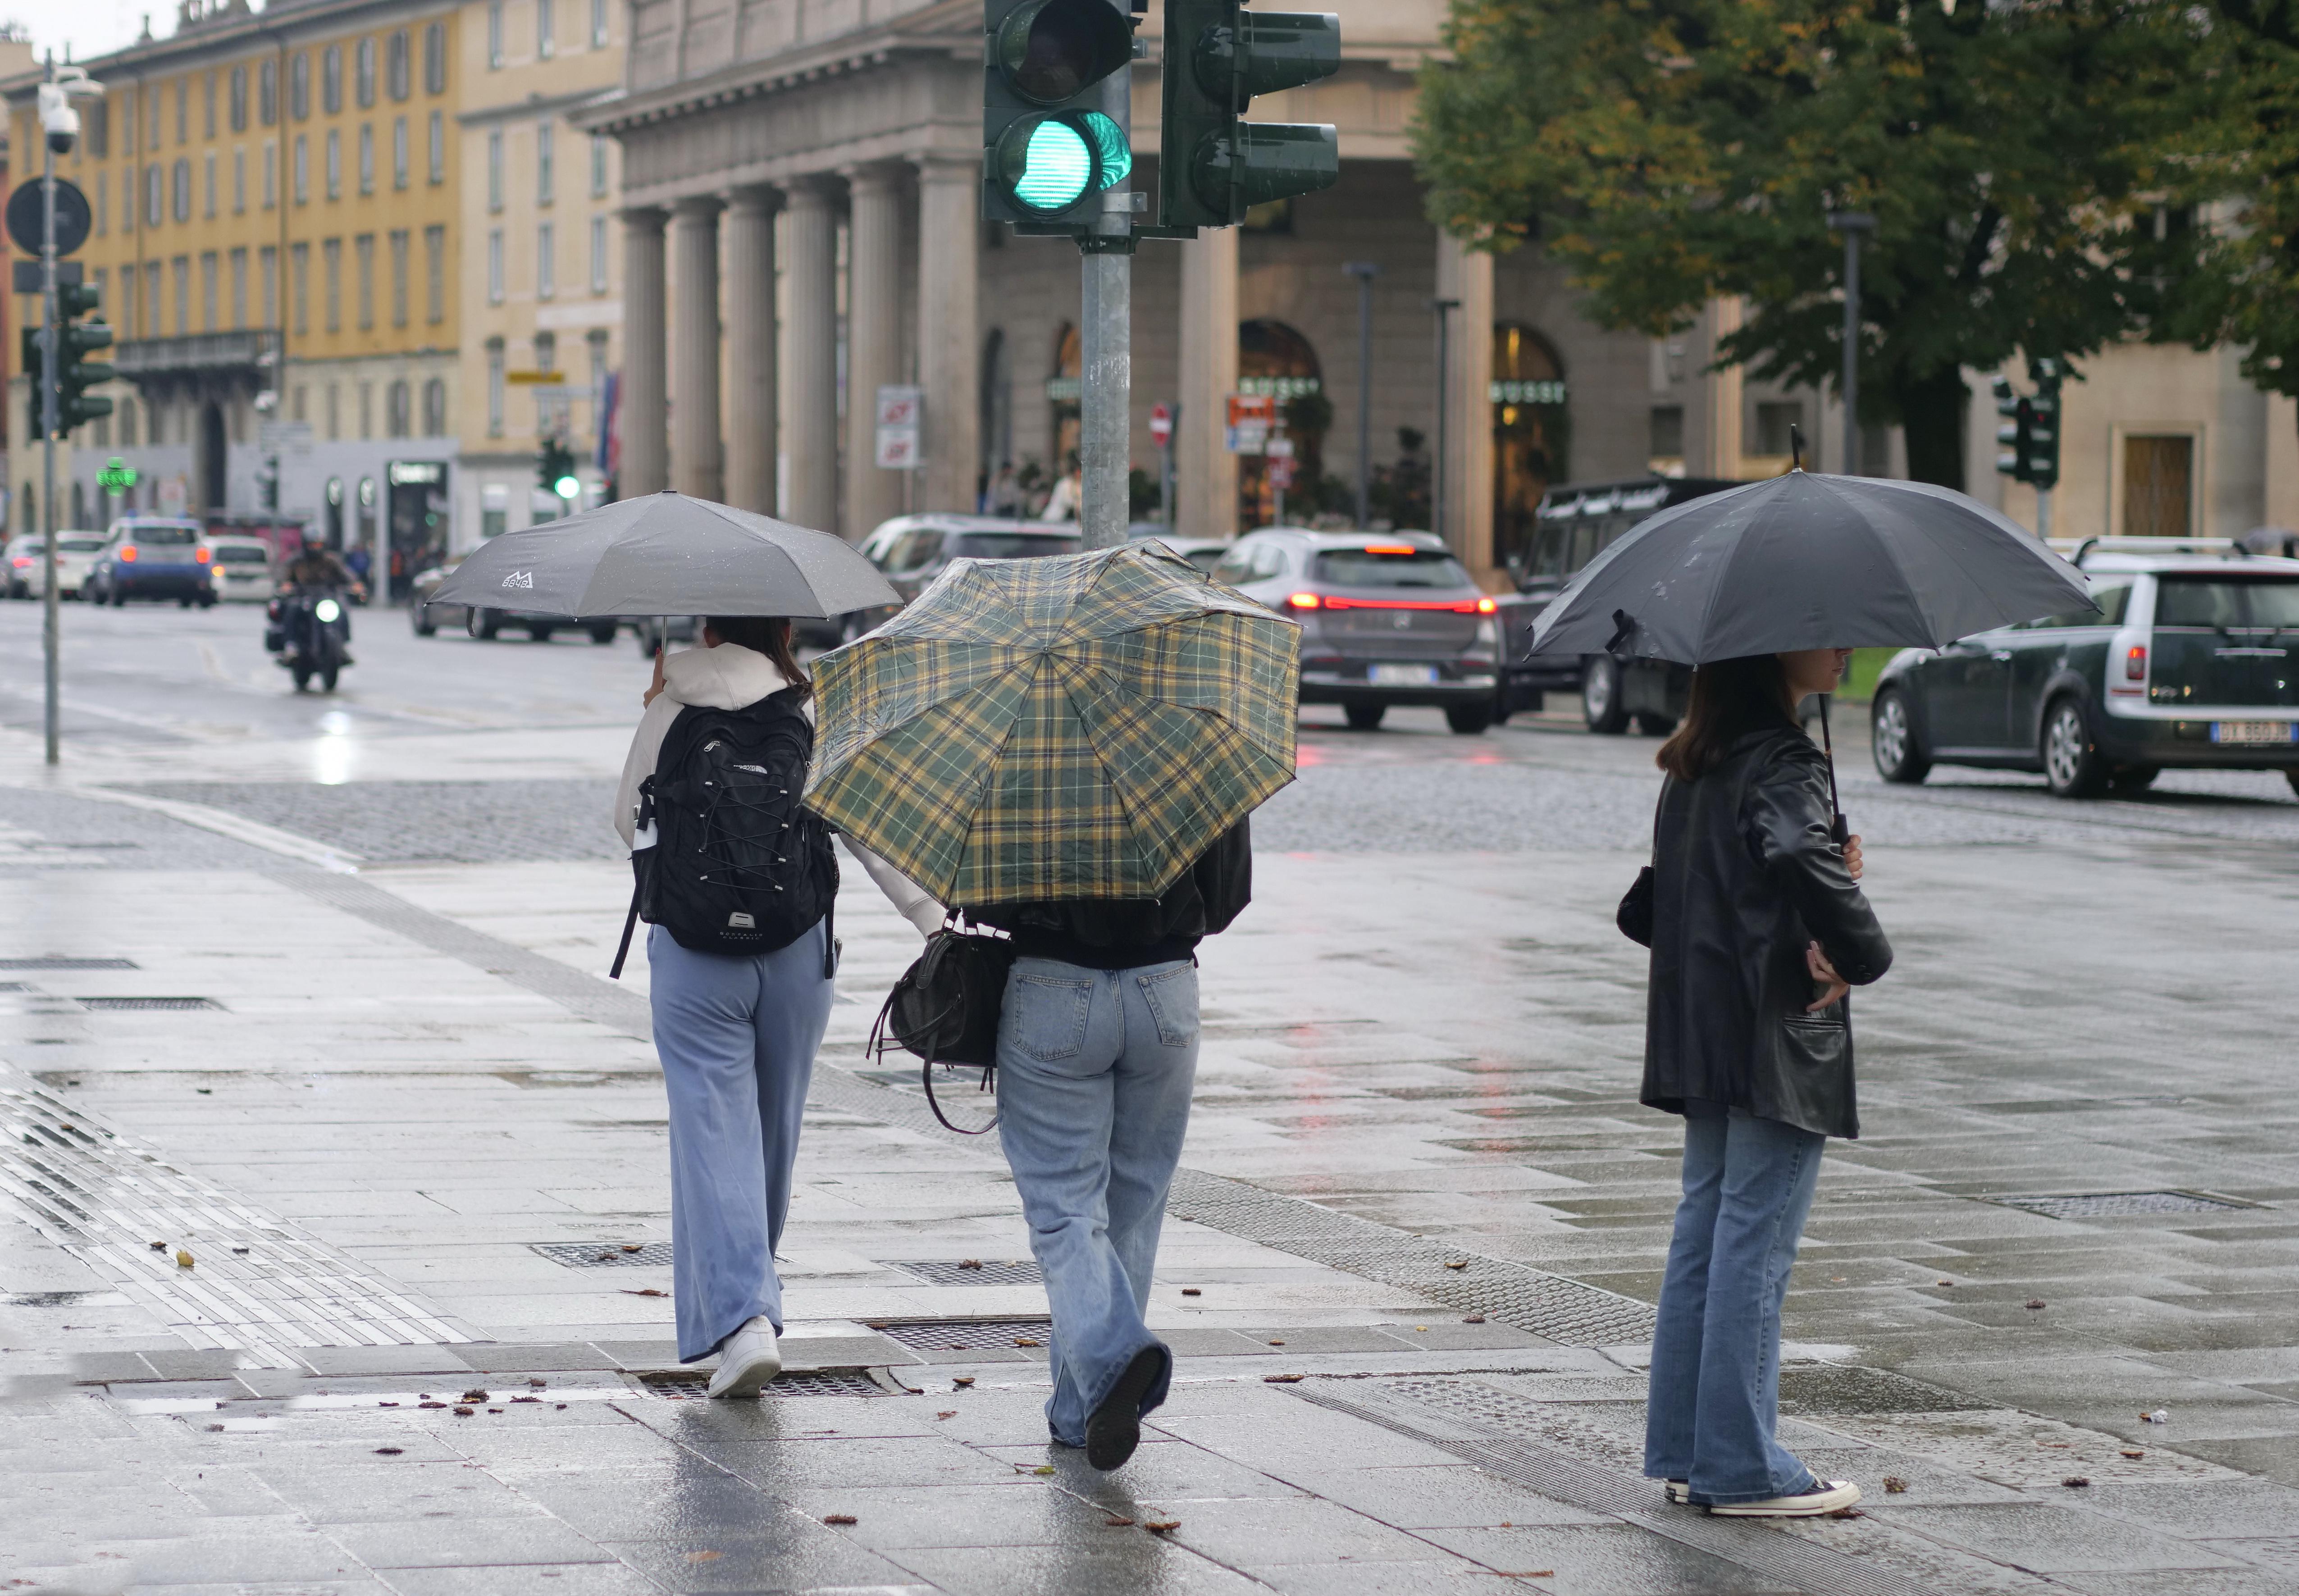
{"type": "Point", "coordinates": [1758, 929]}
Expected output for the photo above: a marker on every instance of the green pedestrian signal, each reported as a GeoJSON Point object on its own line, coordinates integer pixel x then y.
{"type": "Point", "coordinates": [1048, 145]}
{"type": "Point", "coordinates": [1213, 165]}
{"type": "Point", "coordinates": [117, 476]}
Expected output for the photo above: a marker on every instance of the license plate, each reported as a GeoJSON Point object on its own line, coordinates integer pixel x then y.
{"type": "Point", "coordinates": [1402, 676]}
{"type": "Point", "coordinates": [2251, 731]}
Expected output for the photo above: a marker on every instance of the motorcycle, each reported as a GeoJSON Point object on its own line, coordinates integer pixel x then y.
{"type": "Point", "coordinates": [310, 631]}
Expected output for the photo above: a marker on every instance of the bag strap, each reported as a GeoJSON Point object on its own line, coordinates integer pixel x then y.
{"type": "Point", "coordinates": [630, 923]}
{"type": "Point", "coordinates": [639, 823]}
{"type": "Point", "coordinates": [988, 1071]}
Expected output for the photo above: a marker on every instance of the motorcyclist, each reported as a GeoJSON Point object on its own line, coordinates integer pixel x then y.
{"type": "Point", "coordinates": [315, 570]}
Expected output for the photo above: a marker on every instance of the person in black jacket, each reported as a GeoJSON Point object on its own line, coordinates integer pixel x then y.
{"type": "Point", "coordinates": [1758, 930]}
{"type": "Point", "coordinates": [1096, 1055]}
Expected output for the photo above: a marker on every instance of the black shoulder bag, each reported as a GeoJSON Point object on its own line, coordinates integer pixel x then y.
{"type": "Point", "coordinates": [945, 1009]}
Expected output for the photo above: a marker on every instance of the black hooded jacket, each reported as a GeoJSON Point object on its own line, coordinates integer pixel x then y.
{"type": "Point", "coordinates": [1127, 933]}
{"type": "Point", "coordinates": [1745, 874]}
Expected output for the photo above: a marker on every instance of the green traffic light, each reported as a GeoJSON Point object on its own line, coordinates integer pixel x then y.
{"type": "Point", "coordinates": [1050, 163]}
{"type": "Point", "coordinates": [566, 487]}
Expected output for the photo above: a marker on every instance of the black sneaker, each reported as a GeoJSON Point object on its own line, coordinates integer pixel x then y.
{"type": "Point", "coordinates": [1114, 1429]}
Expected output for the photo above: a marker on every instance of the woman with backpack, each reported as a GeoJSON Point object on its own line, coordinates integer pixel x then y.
{"type": "Point", "coordinates": [738, 1019]}
{"type": "Point", "coordinates": [1757, 930]}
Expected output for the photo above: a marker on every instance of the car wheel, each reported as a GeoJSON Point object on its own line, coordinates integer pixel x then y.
{"type": "Point", "coordinates": [2073, 764]}
{"type": "Point", "coordinates": [419, 617]}
{"type": "Point", "coordinates": [2134, 778]}
{"type": "Point", "coordinates": [1600, 696]}
{"type": "Point", "coordinates": [540, 634]}
{"type": "Point", "coordinates": [2292, 778]}
{"type": "Point", "coordinates": [327, 679]}
{"type": "Point", "coordinates": [119, 597]}
{"type": "Point", "coordinates": [1892, 740]}
{"type": "Point", "coordinates": [604, 633]}
{"type": "Point", "coordinates": [482, 624]}
{"type": "Point", "coordinates": [1467, 720]}
{"type": "Point", "coordinates": [1364, 717]}
{"type": "Point", "coordinates": [302, 681]}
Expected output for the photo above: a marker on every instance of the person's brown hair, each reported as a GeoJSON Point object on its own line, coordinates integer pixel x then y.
{"type": "Point", "coordinates": [769, 635]}
{"type": "Point", "coordinates": [1728, 697]}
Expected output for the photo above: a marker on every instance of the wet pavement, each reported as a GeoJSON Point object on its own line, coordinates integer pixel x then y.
{"type": "Point", "coordinates": [322, 979]}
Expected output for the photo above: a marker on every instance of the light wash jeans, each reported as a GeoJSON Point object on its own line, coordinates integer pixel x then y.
{"type": "Point", "coordinates": [1094, 1072]}
{"type": "Point", "coordinates": [737, 1038]}
{"type": "Point", "coordinates": [1714, 1398]}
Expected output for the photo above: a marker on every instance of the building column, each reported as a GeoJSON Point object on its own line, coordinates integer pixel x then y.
{"type": "Point", "coordinates": [1720, 443]}
{"type": "Point", "coordinates": [751, 368]}
{"type": "Point", "coordinates": [810, 358]}
{"type": "Point", "coordinates": [642, 404]}
{"type": "Point", "coordinates": [873, 339]}
{"type": "Point", "coordinates": [1467, 274]}
{"type": "Point", "coordinates": [1204, 472]}
{"type": "Point", "coordinates": [949, 333]}
{"type": "Point", "coordinates": [697, 451]}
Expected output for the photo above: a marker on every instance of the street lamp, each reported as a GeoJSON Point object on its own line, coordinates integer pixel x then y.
{"type": "Point", "coordinates": [1365, 271]}
{"type": "Point", "coordinates": [1444, 308]}
{"type": "Point", "coordinates": [1852, 224]}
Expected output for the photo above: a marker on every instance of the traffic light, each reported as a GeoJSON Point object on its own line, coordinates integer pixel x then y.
{"type": "Point", "coordinates": [555, 469]}
{"type": "Point", "coordinates": [266, 481]}
{"type": "Point", "coordinates": [1047, 146]}
{"type": "Point", "coordinates": [74, 403]}
{"type": "Point", "coordinates": [1213, 165]}
{"type": "Point", "coordinates": [2015, 437]}
{"type": "Point", "coordinates": [2041, 450]}
{"type": "Point", "coordinates": [35, 364]}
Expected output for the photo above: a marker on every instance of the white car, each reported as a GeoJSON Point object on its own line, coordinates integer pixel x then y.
{"type": "Point", "coordinates": [241, 569]}
{"type": "Point", "coordinates": [75, 552]}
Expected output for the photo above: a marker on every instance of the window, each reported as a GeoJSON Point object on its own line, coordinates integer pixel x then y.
{"type": "Point", "coordinates": [180, 189]}
{"type": "Point", "coordinates": [331, 79]}
{"type": "Point", "coordinates": [435, 59]}
{"type": "Point", "coordinates": [598, 254]}
{"type": "Point", "coordinates": [546, 258]}
{"type": "Point", "coordinates": [270, 174]}
{"type": "Point", "coordinates": [397, 72]}
{"type": "Point", "coordinates": [207, 106]}
{"type": "Point", "coordinates": [302, 169]}
{"type": "Point", "coordinates": [267, 269]}
{"type": "Point", "coordinates": [183, 275]}
{"type": "Point", "coordinates": [152, 119]}
{"type": "Point", "coordinates": [208, 285]}
{"type": "Point", "coordinates": [299, 86]}
{"type": "Point", "coordinates": [438, 141]}
{"type": "Point", "coordinates": [494, 385]}
{"type": "Point", "coordinates": [2159, 482]}
{"type": "Point", "coordinates": [1773, 423]}
{"type": "Point", "coordinates": [494, 39]}
{"type": "Point", "coordinates": [598, 166]}
{"type": "Point", "coordinates": [155, 194]}
{"type": "Point", "coordinates": [239, 288]}
{"type": "Point", "coordinates": [331, 288]}
{"type": "Point", "coordinates": [208, 186]}
{"type": "Point", "coordinates": [102, 206]}
{"type": "Point", "coordinates": [367, 158]}
{"type": "Point", "coordinates": [364, 73]}
{"type": "Point", "coordinates": [267, 93]}
{"type": "Point", "coordinates": [545, 178]}
{"type": "Point", "coordinates": [399, 242]}
{"type": "Point", "coordinates": [128, 423]}
{"type": "Point", "coordinates": [152, 324]}
{"type": "Point", "coordinates": [96, 124]}
{"type": "Point", "coordinates": [435, 408]}
{"type": "Point", "coordinates": [335, 431]}
{"type": "Point", "coordinates": [239, 182]}
{"type": "Point", "coordinates": [1666, 448]}
{"type": "Point", "coordinates": [435, 274]}
{"type": "Point", "coordinates": [399, 151]}
{"type": "Point", "coordinates": [598, 24]}
{"type": "Point", "coordinates": [496, 267]}
{"type": "Point", "coordinates": [495, 169]}
{"type": "Point", "coordinates": [363, 259]}
{"type": "Point", "coordinates": [397, 419]}
{"type": "Point", "coordinates": [335, 163]}
{"type": "Point", "coordinates": [183, 111]}
{"type": "Point", "coordinates": [235, 97]}
{"type": "Point", "coordinates": [596, 341]}
{"type": "Point", "coordinates": [545, 45]}
{"type": "Point", "coordinates": [366, 430]}
{"type": "Point", "coordinates": [299, 285]}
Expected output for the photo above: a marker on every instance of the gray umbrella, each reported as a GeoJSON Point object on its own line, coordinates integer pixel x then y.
{"type": "Point", "coordinates": [1807, 561]}
{"type": "Point", "coordinates": [668, 555]}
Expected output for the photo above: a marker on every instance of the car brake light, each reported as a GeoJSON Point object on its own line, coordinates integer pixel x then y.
{"type": "Point", "coordinates": [1391, 548]}
{"type": "Point", "coordinates": [1304, 601]}
{"type": "Point", "coordinates": [2135, 663]}
{"type": "Point", "coordinates": [1486, 606]}
{"type": "Point", "coordinates": [127, 554]}
{"type": "Point", "coordinates": [23, 560]}
{"type": "Point", "coordinates": [200, 556]}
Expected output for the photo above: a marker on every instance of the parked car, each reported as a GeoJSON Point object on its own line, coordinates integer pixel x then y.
{"type": "Point", "coordinates": [150, 556]}
{"type": "Point", "coordinates": [1387, 618]}
{"type": "Point", "coordinates": [913, 550]}
{"type": "Point", "coordinates": [20, 577]}
{"type": "Point", "coordinates": [241, 570]}
{"type": "Point", "coordinates": [1576, 522]}
{"type": "Point", "coordinates": [2191, 663]}
{"type": "Point", "coordinates": [427, 616]}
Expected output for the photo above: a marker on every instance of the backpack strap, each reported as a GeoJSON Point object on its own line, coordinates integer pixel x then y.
{"type": "Point", "coordinates": [639, 823]}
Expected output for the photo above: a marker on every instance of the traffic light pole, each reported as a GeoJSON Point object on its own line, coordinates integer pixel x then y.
{"type": "Point", "coordinates": [50, 643]}
{"type": "Point", "coordinates": [1106, 393]}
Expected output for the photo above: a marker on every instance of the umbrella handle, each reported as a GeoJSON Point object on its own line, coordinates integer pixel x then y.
{"type": "Point", "coordinates": [1839, 827]}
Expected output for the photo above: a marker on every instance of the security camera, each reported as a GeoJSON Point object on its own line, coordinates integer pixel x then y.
{"type": "Point", "coordinates": [58, 119]}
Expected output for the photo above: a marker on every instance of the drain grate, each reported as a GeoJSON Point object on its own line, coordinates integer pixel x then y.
{"type": "Point", "coordinates": [58, 963]}
{"type": "Point", "coordinates": [603, 1255]}
{"type": "Point", "coordinates": [686, 1385]}
{"type": "Point", "coordinates": [2108, 1205]}
{"type": "Point", "coordinates": [969, 1271]}
{"type": "Point", "coordinates": [965, 1335]}
{"type": "Point", "coordinates": [138, 1005]}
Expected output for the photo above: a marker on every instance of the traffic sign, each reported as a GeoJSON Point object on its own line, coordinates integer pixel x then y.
{"type": "Point", "coordinates": [1252, 409]}
{"type": "Point", "coordinates": [1281, 471]}
{"type": "Point", "coordinates": [1161, 424]}
{"type": "Point", "coordinates": [25, 216]}
{"type": "Point", "coordinates": [900, 409]}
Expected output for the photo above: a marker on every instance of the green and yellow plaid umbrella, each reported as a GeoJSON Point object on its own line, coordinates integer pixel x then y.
{"type": "Point", "coordinates": [1083, 725]}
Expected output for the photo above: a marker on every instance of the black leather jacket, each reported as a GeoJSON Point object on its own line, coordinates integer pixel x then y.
{"type": "Point", "coordinates": [1122, 933]}
{"type": "Point", "coordinates": [314, 568]}
{"type": "Point", "coordinates": [1745, 874]}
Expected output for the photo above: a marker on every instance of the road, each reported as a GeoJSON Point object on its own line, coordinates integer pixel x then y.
{"type": "Point", "coordinates": [1420, 1048]}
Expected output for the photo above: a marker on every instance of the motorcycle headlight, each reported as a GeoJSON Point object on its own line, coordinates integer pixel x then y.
{"type": "Point", "coordinates": [327, 610]}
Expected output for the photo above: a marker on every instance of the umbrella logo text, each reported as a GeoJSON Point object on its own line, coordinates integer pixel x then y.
{"type": "Point", "coordinates": [519, 578]}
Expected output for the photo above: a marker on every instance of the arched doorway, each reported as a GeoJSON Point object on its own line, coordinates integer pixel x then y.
{"type": "Point", "coordinates": [1532, 431]}
{"type": "Point", "coordinates": [210, 456]}
{"type": "Point", "coordinates": [1275, 360]}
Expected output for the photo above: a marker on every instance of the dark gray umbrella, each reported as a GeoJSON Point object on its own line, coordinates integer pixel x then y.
{"type": "Point", "coordinates": [668, 555]}
{"type": "Point", "coordinates": [1808, 562]}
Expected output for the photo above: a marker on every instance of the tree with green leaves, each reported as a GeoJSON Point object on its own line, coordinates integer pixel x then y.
{"type": "Point", "coordinates": [1667, 152]}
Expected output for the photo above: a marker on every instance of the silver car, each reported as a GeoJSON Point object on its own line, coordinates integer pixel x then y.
{"type": "Point", "coordinates": [1387, 618]}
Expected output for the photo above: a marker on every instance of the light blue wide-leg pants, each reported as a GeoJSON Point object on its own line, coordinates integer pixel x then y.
{"type": "Point", "coordinates": [737, 1038]}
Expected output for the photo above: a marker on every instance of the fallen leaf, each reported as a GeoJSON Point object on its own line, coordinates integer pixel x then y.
{"type": "Point", "coordinates": [1280, 1379]}
{"type": "Point", "coordinates": [536, 1399]}
{"type": "Point", "coordinates": [838, 1519]}
{"type": "Point", "coordinates": [1191, 1291]}
{"type": "Point", "coordinates": [389, 1452]}
{"type": "Point", "coordinates": [704, 1556]}
{"type": "Point", "coordinates": [159, 1246]}
{"type": "Point", "coordinates": [386, 1404]}
{"type": "Point", "coordinates": [644, 1291]}
{"type": "Point", "coordinates": [494, 1410]}
{"type": "Point", "coordinates": [474, 1394]}
{"type": "Point", "coordinates": [1474, 1318]}
{"type": "Point", "coordinates": [947, 1413]}
{"type": "Point", "coordinates": [430, 1404]}
{"type": "Point", "coordinates": [1162, 1524]}
{"type": "Point", "coordinates": [961, 1381]}
{"type": "Point", "coordinates": [2133, 1451]}
{"type": "Point", "coordinates": [537, 1381]}
{"type": "Point", "coordinates": [562, 1406]}
{"type": "Point", "coordinates": [630, 1246]}
{"type": "Point", "coordinates": [1115, 1523]}
{"type": "Point", "coordinates": [1847, 1513]}
{"type": "Point", "coordinates": [215, 1426]}
{"type": "Point", "coordinates": [1421, 1327]}
{"type": "Point", "coordinates": [183, 1258]}
{"type": "Point", "coordinates": [463, 1412]}
{"type": "Point", "coordinates": [1542, 1574]}
{"type": "Point", "coordinates": [2034, 1301]}
{"type": "Point", "coordinates": [969, 1263]}
{"type": "Point", "coordinates": [1043, 1468]}
{"type": "Point", "coordinates": [239, 1249]}
{"type": "Point", "coordinates": [1894, 1484]}
{"type": "Point", "coordinates": [1276, 1343]}
{"type": "Point", "coordinates": [1456, 1263]}
{"type": "Point", "coordinates": [1027, 1340]}
{"type": "Point", "coordinates": [2075, 1480]}
{"type": "Point", "coordinates": [1947, 1283]}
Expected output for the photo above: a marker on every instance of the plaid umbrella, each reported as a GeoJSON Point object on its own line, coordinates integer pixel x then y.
{"type": "Point", "coordinates": [1082, 726]}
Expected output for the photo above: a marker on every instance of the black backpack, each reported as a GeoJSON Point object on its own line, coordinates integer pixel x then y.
{"type": "Point", "coordinates": [738, 866]}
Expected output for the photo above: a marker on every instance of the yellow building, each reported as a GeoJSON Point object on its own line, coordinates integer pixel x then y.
{"type": "Point", "coordinates": [542, 262]}
{"type": "Point", "coordinates": [275, 238]}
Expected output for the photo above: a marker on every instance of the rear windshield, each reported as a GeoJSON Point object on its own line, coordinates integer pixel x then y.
{"type": "Point", "coordinates": [80, 546]}
{"type": "Point", "coordinates": [240, 554]}
{"type": "Point", "coordinates": [1205, 559]}
{"type": "Point", "coordinates": [2227, 602]}
{"type": "Point", "coordinates": [1010, 545]}
{"type": "Point", "coordinates": [1383, 567]}
{"type": "Point", "coordinates": [162, 536]}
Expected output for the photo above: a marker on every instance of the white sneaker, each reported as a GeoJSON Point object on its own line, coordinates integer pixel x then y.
{"type": "Point", "coordinates": [748, 1360]}
{"type": "Point", "coordinates": [1826, 1496]}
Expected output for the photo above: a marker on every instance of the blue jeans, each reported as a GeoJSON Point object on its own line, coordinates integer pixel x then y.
{"type": "Point", "coordinates": [1094, 1072]}
{"type": "Point", "coordinates": [1714, 1401]}
{"type": "Point", "coordinates": [737, 1038]}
